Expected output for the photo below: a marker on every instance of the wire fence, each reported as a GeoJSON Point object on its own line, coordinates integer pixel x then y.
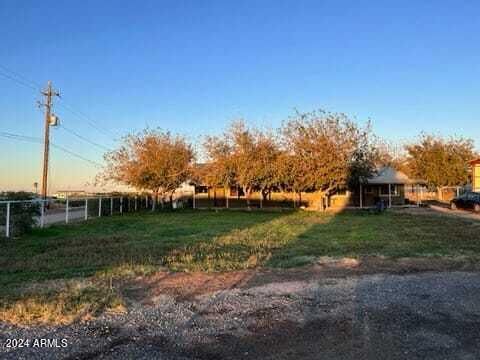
{"type": "Point", "coordinates": [16, 216]}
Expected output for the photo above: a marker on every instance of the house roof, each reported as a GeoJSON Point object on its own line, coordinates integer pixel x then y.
{"type": "Point", "coordinates": [474, 161]}
{"type": "Point", "coordinates": [388, 175]}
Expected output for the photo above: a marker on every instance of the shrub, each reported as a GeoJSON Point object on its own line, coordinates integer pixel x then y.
{"type": "Point", "coordinates": [22, 214]}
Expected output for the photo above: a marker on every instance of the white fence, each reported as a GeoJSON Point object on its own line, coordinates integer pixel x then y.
{"type": "Point", "coordinates": [16, 213]}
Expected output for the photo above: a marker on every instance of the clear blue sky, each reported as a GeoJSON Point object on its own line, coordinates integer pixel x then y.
{"type": "Point", "coordinates": [192, 66]}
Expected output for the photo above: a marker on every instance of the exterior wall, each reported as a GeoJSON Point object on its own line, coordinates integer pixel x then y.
{"type": "Point", "coordinates": [210, 197]}
{"type": "Point", "coordinates": [476, 178]}
{"type": "Point", "coordinates": [370, 194]}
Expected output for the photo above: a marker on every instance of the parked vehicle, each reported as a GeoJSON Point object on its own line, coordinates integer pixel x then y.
{"type": "Point", "coordinates": [469, 201]}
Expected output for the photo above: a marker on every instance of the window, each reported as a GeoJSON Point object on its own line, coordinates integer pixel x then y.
{"type": "Point", "coordinates": [384, 189]}
{"type": "Point", "coordinates": [201, 189]}
{"type": "Point", "coordinates": [341, 192]}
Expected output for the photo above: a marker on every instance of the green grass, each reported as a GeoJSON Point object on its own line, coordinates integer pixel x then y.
{"type": "Point", "coordinates": [121, 246]}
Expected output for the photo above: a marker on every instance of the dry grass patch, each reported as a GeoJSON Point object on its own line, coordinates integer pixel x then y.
{"type": "Point", "coordinates": [77, 300]}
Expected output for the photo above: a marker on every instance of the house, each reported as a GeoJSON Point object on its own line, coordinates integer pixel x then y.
{"type": "Point", "coordinates": [388, 185]}
{"type": "Point", "coordinates": [475, 165]}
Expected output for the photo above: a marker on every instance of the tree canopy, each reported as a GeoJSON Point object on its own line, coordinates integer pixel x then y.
{"type": "Point", "coordinates": [440, 161]}
{"type": "Point", "coordinates": [326, 151]}
{"type": "Point", "coordinates": [151, 160]}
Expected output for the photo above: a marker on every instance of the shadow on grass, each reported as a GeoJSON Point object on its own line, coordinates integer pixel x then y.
{"type": "Point", "coordinates": [82, 259]}
{"type": "Point", "coordinates": [225, 240]}
{"type": "Point", "coordinates": [394, 234]}
{"type": "Point", "coordinates": [131, 243]}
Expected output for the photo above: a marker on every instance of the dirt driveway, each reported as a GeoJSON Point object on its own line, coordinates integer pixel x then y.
{"type": "Point", "coordinates": [442, 211]}
{"type": "Point", "coordinates": [337, 309]}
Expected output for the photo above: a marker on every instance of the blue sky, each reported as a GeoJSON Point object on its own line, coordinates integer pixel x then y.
{"type": "Point", "coordinates": [193, 66]}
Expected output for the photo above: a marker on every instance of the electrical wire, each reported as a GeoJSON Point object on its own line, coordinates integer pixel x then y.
{"type": "Point", "coordinates": [21, 82]}
{"type": "Point", "coordinates": [31, 84]}
{"type": "Point", "coordinates": [39, 141]}
{"type": "Point", "coordinates": [24, 81]}
{"type": "Point", "coordinates": [84, 117]}
{"type": "Point", "coordinates": [61, 126]}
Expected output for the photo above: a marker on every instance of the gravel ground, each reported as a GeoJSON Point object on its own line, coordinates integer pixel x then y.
{"type": "Point", "coordinates": [428, 315]}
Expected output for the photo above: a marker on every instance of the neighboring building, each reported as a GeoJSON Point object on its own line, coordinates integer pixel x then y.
{"type": "Point", "coordinates": [62, 194]}
{"type": "Point", "coordinates": [475, 164]}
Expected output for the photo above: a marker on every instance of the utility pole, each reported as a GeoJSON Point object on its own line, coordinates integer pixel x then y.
{"type": "Point", "coordinates": [50, 120]}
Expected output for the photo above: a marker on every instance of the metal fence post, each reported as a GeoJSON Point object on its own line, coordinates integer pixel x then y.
{"type": "Point", "coordinates": [100, 206]}
{"type": "Point", "coordinates": [86, 209]}
{"type": "Point", "coordinates": [66, 211]}
{"type": "Point", "coordinates": [42, 214]}
{"type": "Point", "coordinates": [121, 205]}
{"type": "Point", "coordinates": [7, 225]}
{"type": "Point", "coordinates": [111, 206]}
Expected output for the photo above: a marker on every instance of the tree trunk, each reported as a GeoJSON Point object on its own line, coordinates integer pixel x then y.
{"type": "Point", "coordinates": [246, 190]}
{"type": "Point", "coordinates": [154, 200]}
{"type": "Point", "coordinates": [264, 194]}
{"type": "Point", "coordinates": [226, 197]}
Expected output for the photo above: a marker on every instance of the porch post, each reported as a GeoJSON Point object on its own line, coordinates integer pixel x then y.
{"type": "Point", "coordinates": [361, 196]}
{"type": "Point", "coordinates": [417, 193]}
{"type": "Point", "coordinates": [389, 195]}
{"type": "Point", "coordinates": [194, 197]}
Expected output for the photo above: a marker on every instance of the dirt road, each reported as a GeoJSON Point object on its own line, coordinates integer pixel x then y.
{"type": "Point", "coordinates": [305, 315]}
{"type": "Point", "coordinates": [58, 217]}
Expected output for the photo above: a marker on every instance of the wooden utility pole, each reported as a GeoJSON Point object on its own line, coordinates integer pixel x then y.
{"type": "Point", "coordinates": [49, 93]}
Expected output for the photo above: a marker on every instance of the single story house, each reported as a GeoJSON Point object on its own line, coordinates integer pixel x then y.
{"type": "Point", "coordinates": [388, 185]}
{"type": "Point", "coordinates": [475, 164]}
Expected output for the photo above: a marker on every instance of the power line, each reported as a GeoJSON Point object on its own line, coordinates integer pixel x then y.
{"type": "Point", "coordinates": [76, 155]}
{"type": "Point", "coordinates": [31, 83]}
{"type": "Point", "coordinates": [24, 81]}
{"type": "Point", "coordinates": [84, 117]}
{"type": "Point", "coordinates": [35, 140]}
{"type": "Point", "coordinates": [83, 138]}
{"type": "Point", "coordinates": [18, 81]}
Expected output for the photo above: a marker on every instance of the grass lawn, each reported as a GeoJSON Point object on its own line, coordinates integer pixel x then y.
{"type": "Point", "coordinates": [78, 261]}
